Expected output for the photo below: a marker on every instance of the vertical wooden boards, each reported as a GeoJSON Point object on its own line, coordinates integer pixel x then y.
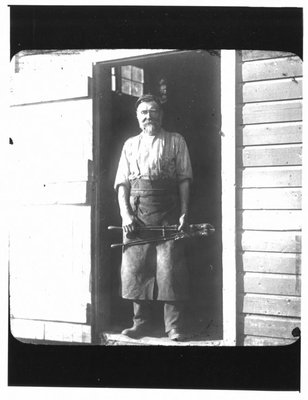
{"type": "Point", "coordinates": [269, 217]}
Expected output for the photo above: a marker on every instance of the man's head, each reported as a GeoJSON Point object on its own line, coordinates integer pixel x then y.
{"type": "Point", "coordinates": [149, 114]}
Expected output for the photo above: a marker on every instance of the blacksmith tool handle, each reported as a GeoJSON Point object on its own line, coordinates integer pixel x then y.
{"type": "Point", "coordinates": [145, 241]}
{"type": "Point", "coordinates": [149, 228]}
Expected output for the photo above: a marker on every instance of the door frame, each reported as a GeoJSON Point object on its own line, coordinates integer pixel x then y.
{"type": "Point", "coordinates": [100, 318]}
{"type": "Point", "coordinates": [228, 193]}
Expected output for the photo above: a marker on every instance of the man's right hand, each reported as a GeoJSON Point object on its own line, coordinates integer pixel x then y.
{"type": "Point", "coordinates": [129, 223]}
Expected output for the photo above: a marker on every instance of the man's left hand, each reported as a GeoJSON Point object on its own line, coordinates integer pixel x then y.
{"type": "Point", "coordinates": [183, 223]}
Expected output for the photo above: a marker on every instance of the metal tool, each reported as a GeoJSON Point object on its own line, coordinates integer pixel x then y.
{"type": "Point", "coordinates": [193, 230]}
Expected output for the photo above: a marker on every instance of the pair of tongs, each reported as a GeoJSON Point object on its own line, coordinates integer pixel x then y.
{"type": "Point", "coordinates": [193, 230]}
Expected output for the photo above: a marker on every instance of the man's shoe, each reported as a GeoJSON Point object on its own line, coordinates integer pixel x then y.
{"type": "Point", "coordinates": [176, 335]}
{"type": "Point", "coordinates": [136, 331]}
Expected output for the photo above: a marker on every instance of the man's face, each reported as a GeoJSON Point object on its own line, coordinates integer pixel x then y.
{"type": "Point", "coordinates": [149, 116]}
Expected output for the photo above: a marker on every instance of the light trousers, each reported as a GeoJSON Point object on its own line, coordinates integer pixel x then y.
{"type": "Point", "coordinates": [173, 314]}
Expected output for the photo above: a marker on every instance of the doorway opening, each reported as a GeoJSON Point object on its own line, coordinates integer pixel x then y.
{"type": "Point", "coordinates": [188, 84]}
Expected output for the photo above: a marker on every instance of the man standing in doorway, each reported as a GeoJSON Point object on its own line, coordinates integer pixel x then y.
{"type": "Point", "coordinates": [153, 183]}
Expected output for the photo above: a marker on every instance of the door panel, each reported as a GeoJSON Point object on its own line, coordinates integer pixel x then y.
{"type": "Point", "coordinates": [49, 268]}
{"type": "Point", "coordinates": [50, 230]}
{"type": "Point", "coordinates": [52, 141]}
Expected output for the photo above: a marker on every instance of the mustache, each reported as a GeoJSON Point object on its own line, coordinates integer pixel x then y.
{"type": "Point", "coordinates": [150, 121]}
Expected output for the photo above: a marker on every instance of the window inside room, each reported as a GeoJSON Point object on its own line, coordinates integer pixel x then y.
{"type": "Point", "coordinates": [127, 79]}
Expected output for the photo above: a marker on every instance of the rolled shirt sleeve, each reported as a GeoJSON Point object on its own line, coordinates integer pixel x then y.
{"type": "Point", "coordinates": [183, 164]}
{"type": "Point", "coordinates": [123, 170]}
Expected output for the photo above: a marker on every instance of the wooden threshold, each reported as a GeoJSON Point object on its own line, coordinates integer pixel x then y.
{"type": "Point", "coordinates": [121, 340]}
{"type": "Point", "coordinates": [210, 337]}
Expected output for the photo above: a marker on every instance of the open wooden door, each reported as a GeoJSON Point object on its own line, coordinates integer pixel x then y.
{"type": "Point", "coordinates": [50, 234]}
{"type": "Point", "coordinates": [189, 85]}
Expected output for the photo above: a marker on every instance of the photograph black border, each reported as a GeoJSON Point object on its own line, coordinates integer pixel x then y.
{"type": "Point", "coordinates": [149, 27]}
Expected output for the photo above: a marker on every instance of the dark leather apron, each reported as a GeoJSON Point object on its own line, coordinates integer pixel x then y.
{"type": "Point", "coordinates": [154, 270]}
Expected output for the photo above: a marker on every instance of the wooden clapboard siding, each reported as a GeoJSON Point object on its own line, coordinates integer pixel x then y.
{"type": "Point", "coordinates": [271, 326]}
{"type": "Point", "coordinates": [272, 111]}
{"type": "Point", "coordinates": [270, 220]}
{"type": "Point", "coordinates": [272, 90]}
{"type": "Point", "coordinates": [268, 177]}
{"type": "Point", "coordinates": [269, 217]}
{"type": "Point", "coordinates": [286, 67]}
{"type": "Point", "coordinates": [265, 283]}
{"type": "Point", "coordinates": [248, 55]}
{"type": "Point", "coordinates": [269, 198]}
{"type": "Point", "coordinates": [265, 341]}
{"type": "Point", "coordinates": [274, 241]}
{"type": "Point", "coordinates": [285, 263]}
{"type": "Point", "coordinates": [271, 155]}
{"type": "Point", "coordinates": [275, 133]}
{"type": "Point", "coordinates": [269, 304]}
